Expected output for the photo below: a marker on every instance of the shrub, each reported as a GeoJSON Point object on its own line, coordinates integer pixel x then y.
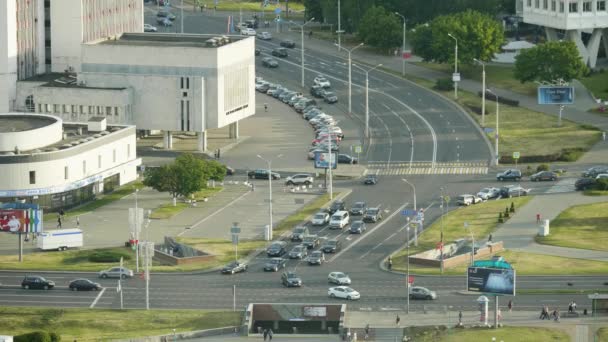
{"type": "Point", "coordinates": [55, 337]}
{"type": "Point", "coordinates": [444, 84]}
{"type": "Point", "coordinates": [571, 154]}
{"type": "Point", "coordinates": [512, 207]}
{"type": "Point", "coordinates": [506, 212]}
{"type": "Point", "coordinates": [542, 167]}
{"type": "Point", "coordinates": [109, 256]}
{"type": "Point", "coordinates": [36, 336]}
{"type": "Point", "coordinates": [602, 184]}
{"type": "Point", "coordinates": [500, 219]}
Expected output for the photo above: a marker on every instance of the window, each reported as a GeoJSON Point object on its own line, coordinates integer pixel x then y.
{"type": "Point", "coordinates": [84, 167]}
{"type": "Point", "coordinates": [573, 7]}
{"type": "Point", "coordinates": [561, 7]}
{"type": "Point", "coordinates": [91, 110]}
{"type": "Point", "coordinates": [587, 6]}
{"type": "Point", "coordinates": [181, 83]}
{"type": "Point", "coordinates": [114, 156]}
{"type": "Point", "coordinates": [56, 109]}
{"type": "Point", "coordinates": [99, 161]}
{"type": "Point", "coordinates": [553, 5]}
{"type": "Point", "coordinates": [545, 4]}
{"type": "Point", "coordinates": [74, 107]}
{"type": "Point", "coordinates": [32, 177]}
{"type": "Point", "coordinates": [109, 111]}
{"type": "Point", "coordinates": [66, 109]}
{"type": "Point", "coordinates": [81, 109]}
{"type": "Point", "coordinates": [536, 3]}
{"type": "Point", "coordinates": [601, 5]}
{"type": "Point", "coordinates": [187, 82]}
{"type": "Point", "coordinates": [66, 175]}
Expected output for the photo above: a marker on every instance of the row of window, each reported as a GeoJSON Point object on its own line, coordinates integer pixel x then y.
{"type": "Point", "coordinates": [66, 170]}
{"type": "Point", "coordinates": [573, 7]}
{"type": "Point", "coordinates": [78, 109]}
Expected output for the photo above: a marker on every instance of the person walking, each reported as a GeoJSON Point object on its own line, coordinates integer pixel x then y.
{"type": "Point", "coordinates": [58, 220]}
{"type": "Point", "coordinates": [604, 136]}
{"type": "Point", "coordinates": [570, 307]}
{"type": "Point", "coordinates": [460, 317]}
{"type": "Point", "coordinates": [366, 331]}
{"type": "Point", "coordinates": [537, 218]}
{"type": "Point", "coordinates": [573, 306]}
{"type": "Point", "coordinates": [390, 263]}
{"type": "Point", "coordinates": [62, 213]}
{"type": "Point", "coordinates": [398, 320]}
{"type": "Point", "coordinates": [265, 107]}
{"type": "Point", "coordinates": [510, 305]}
{"type": "Point", "coordinates": [490, 238]}
{"type": "Point", "coordinates": [270, 335]}
{"type": "Point", "coordinates": [556, 315]}
{"type": "Point", "coordinates": [265, 334]}
{"type": "Point", "coordinates": [77, 221]}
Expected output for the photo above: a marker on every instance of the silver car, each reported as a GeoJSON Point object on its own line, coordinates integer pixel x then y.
{"type": "Point", "coordinates": [338, 278]}
{"type": "Point", "coordinates": [116, 272]}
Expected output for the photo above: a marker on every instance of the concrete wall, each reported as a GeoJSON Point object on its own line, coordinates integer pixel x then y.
{"type": "Point", "coordinates": [167, 259]}
{"type": "Point", "coordinates": [8, 55]}
{"type": "Point", "coordinates": [489, 250]}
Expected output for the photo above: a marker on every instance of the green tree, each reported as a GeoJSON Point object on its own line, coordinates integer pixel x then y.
{"type": "Point", "coordinates": [379, 28]}
{"type": "Point", "coordinates": [549, 62]}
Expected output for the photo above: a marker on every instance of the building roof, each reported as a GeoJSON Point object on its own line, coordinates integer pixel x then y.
{"type": "Point", "coordinates": [21, 123]}
{"type": "Point", "coordinates": [64, 79]}
{"type": "Point", "coordinates": [166, 39]}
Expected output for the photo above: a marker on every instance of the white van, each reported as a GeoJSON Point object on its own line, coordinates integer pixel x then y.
{"type": "Point", "coordinates": [339, 220]}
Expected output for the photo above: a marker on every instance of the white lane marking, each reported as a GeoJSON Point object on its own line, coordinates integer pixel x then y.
{"type": "Point", "coordinates": [370, 231]}
{"type": "Point", "coordinates": [215, 213]}
{"type": "Point", "coordinates": [408, 129]}
{"type": "Point", "coordinates": [97, 298]}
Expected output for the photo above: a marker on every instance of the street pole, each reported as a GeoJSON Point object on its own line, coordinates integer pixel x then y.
{"type": "Point", "coordinates": [350, 83]}
{"type": "Point", "coordinates": [269, 162]}
{"type": "Point", "coordinates": [496, 135]}
{"type": "Point", "coordinates": [136, 233]}
{"type": "Point", "coordinates": [403, 46]}
{"type": "Point", "coordinates": [366, 132]}
{"type": "Point", "coordinates": [302, 56]}
{"type": "Point", "coordinates": [331, 181]}
{"type": "Point", "coordinates": [415, 209]}
{"type": "Point", "coordinates": [407, 279]}
{"type": "Point", "coordinates": [339, 29]}
{"type": "Point", "coordinates": [441, 241]}
{"type": "Point", "coordinates": [181, 19]}
{"type": "Point", "coordinates": [148, 260]}
{"type": "Point", "coordinates": [455, 65]}
{"type": "Point", "coordinates": [483, 92]}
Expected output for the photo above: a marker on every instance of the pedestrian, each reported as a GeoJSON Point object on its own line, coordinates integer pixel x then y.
{"type": "Point", "coordinates": [570, 307]}
{"type": "Point", "coordinates": [510, 305]}
{"type": "Point", "coordinates": [265, 334]}
{"type": "Point", "coordinates": [62, 213]}
{"type": "Point", "coordinates": [270, 335]}
{"type": "Point", "coordinates": [265, 107]}
{"type": "Point", "coordinates": [499, 314]}
{"type": "Point", "coordinates": [398, 320]}
{"type": "Point", "coordinates": [556, 315]}
{"type": "Point", "coordinates": [310, 34]}
{"type": "Point", "coordinates": [460, 317]}
{"type": "Point", "coordinates": [490, 238]}
{"type": "Point", "coordinates": [573, 306]}
{"type": "Point", "coordinates": [537, 218]}
{"type": "Point", "coordinates": [58, 220]}
{"type": "Point", "coordinates": [218, 153]}
{"type": "Point", "coordinates": [390, 263]}
{"type": "Point", "coordinates": [77, 221]}
{"type": "Point", "coordinates": [367, 331]}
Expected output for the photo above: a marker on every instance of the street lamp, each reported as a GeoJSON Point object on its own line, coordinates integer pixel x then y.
{"type": "Point", "coordinates": [403, 46]}
{"type": "Point", "coordinates": [466, 225]}
{"type": "Point", "coordinates": [339, 32]}
{"type": "Point", "coordinates": [269, 162]}
{"type": "Point", "coordinates": [483, 92]}
{"type": "Point", "coordinates": [496, 135]}
{"type": "Point", "coordinates": [415, 209]}
{"type": "Point", "coordinates": [350, 82]}
{"type": "Point", "coordinates": [407, 279]}
{"type": "Point", "coordinates": [366, 71]}
{"type": "Point", "coordinates": [455, 76]}
{"type": "Point", "coordinates": [302, 34]}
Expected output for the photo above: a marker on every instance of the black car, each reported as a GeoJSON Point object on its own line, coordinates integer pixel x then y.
{"type": "Point", "coordinates": [370, 179]}
{"type": "Point", "coordinates": [234, 267]}
{"type": "Point", "coordinates": [330, 97]}
{"type": "Point", "coordinates": [594, 171]}
{"type": "Point", "coordinates": [83, 285]}
{"type": "Point", "coordinates": [331, 246]}
{"type": "Point", "coordinates": [275, 264]}
{"type": "Point", "coordinates": [316, 258]}
{"type": "Point", "coordinates": [336, 206]}
{"type": "Point", "coordinates": [544, 176]}
{"type": "Point", "coordinates": [584, 184]}
{"type": "Point", "coordinates": [276, 249]}
{"type": "Point", "coordinates": [298, 233]}
{"type": "Point", "coordinates": [513, 191]}
{"type": "Point", "coordinates": [298, 252]}
{"type": "Point", "coordinates": [291, 279]}
{"type": "Point", "coordinates": [262, 174]}
{"type": "Point", "coordinates": [317, 91]}
{"type": "Point", "coordinates": [358, 208]}
{"type": "Point", "coordinates": [346, 159]}
{"type": "Point", "coordinates": [36, 282]}
{"type": "Point", "coordinates": [280, 52]}
{"type": "Point", "coordinates": [310, 241]}
{"type": "Point", "coordinates": [270, 62]}
{"type": "Point", "coordinates": [372, 215]}
{"type": "Point", "coordinates": [288, 44]}
{"type": "Point", "coordinates": [357, 227]}
{"type": "Point", "coordinates": [511, 174]}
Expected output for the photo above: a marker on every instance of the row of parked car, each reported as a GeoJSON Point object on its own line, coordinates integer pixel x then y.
{"type": "Point", "coordinates": [41, 283]}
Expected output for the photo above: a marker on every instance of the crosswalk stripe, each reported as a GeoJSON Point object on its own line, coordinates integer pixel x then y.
{"type": "Point", "coordinates": [432, 171]}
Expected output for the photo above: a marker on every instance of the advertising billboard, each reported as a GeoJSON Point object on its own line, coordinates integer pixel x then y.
{"type": "Point", "coordinates": [20, 220]}
{"type": "Point", "coordinates": [322, 160]}
{"type": "Point", "coordinates": [491, 280]}
{"type": "Point", "coordinates": [556, 95]}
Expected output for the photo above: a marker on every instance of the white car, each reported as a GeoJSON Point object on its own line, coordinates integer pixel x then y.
{"type": "Point", "coordinates": [601, 176]}
{"type": "Point", "coordinates": [264, 36]}
{"type": "Point", "coordinates": [487, 193]}
{"type": "Point", "coordinates": [299, 179]}
{"type": "Point", "coordinates": [248, 32]}
{"type": "Point", "coordinates": [343, 292]}
{"type": "Point", "coordinates": [320, 219]}
{"type": "Point", "coordinates": [322, 82]}
{"type": "Point", "coordinates": [338, 278]}
{"type": "Point", "coordinates": [150, 28]}
{"type": "Point", "coordinates": [467, 200]}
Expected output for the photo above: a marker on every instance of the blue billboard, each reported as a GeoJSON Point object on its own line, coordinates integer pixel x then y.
{"type": "Point", "coordinates": [491, 280]}
{"type": "Point", "coordinates": [322, 160]}
{"type": "Point", "coordinates": [555, 95]}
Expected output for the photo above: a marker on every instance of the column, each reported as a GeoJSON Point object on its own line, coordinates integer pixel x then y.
{"type": "Point", "coordinates": [202, 141]}
{"type": "Point", "coordinates": [593, 46]}
{"type": "Point", "coordinates": [167, 140]}
{"type": "Point", "coordinates": [605, 40]}
{"type": "Point", "coordinates": [551, 33]}
{"type": "Point", "coordinates": [233, 130]}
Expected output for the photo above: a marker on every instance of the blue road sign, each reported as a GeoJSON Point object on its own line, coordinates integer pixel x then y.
{"type": "Point", "coordinates": [408, 212]}
{"type": "Point", "coordinates": [278, 10]}
{"type": "Point", "coordinates": [556, 95]}
{"type": "Point", "coordinates": [322, 160]}
{"type": "Point", "coordinates": [488, 130]}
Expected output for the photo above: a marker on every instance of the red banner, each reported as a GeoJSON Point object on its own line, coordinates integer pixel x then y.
{"type": "Point", "coordinates": [13, 221]}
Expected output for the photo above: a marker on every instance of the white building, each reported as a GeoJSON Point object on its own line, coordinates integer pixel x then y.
{"type": "Point", "coordinates": [59, 165]}
{"type": "Point", "coordinates": [571, 20]}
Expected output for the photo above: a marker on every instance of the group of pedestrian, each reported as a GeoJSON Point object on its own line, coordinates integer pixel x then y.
{"type": "Point", "coordinates": [544, 314]}
{"type": "Point", "coordinates": [268, 334]}
{"type": "Point", "coordinates": [572, 307]}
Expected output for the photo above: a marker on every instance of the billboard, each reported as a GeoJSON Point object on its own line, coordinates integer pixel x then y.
{"type": "Point", "coordinates": [322, 160]}
{"type": "Point", "coordinates": [555, 95]}
{"type": "Point", "coordinates": [491, 280]}
{"type": "Point", "coordinates": [19, 220]}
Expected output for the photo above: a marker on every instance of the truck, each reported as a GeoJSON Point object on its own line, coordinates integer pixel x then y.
{"type": "Point", "coordinates": [60, 239]}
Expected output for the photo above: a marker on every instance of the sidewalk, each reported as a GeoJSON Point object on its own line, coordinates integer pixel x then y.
{"type": "Point", "coordinates": [519, 231]}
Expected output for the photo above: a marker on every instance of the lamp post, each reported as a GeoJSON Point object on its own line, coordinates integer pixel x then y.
{"type": "Point", "coordinates": [454, 77]}
{"type": "Point", "coordinates": [483, 92]}
{"type": "Point", "coordinates": [407, 279]}
{"type": "Point", "coordinates": [137, 223]}
{"type": "Point", "coordinates": [302, 34]}
{"type": "Point", "coordinates": [366, 71]}
{"type": "Point", "coordinates": [350, 82]}
{"type": "Point", "coordinates": [415, 209]}
{"type": "Point", "coordinates": [339, 32]}
{"type": "Point", "coordinates": [181, 19]}
{"type": "Point", "coordinates": [269, 162]}
{"type": "Point", "coordinates": [403, 46]}
{"type": "Point", "coordinates": [466, 225]}
{"type": "Point", "coordinates": [496, 135]}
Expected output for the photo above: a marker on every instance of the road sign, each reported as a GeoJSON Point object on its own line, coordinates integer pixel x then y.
{"type": "Point", "coordinates": [358, 149]}
{"type": "Point", "coordinates": [408, 212]}
{"type": "Point", "coordinates": [235, 230]}
{"type": "Point", "coordinates": [555, 95]}
{"type": "Point", "coordinates": [456, 77]}
{"type": "Point", "coordinates": [277, 10]}
{"type": "Point", "coordinates": [515, 155]}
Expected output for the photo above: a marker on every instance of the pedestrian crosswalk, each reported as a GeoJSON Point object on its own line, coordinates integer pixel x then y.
{"type": "Point", "coordinates": [427, 168]}
{"type": "Point", "coordinates": [563, 185]}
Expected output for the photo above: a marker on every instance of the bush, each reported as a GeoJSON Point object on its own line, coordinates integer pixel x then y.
{"type": "Point", "coordinates": [542, 167]}
{"type": "Point", "coordinates": [602, 184]}
{"type": "Point", "coordinates": [500, 219]}
{"type": "Point", "coordinates": [109, 256]}
{"type": "Point", "coordinates": [36, 336]}
{"type": "Point", "coordinates": [55, 337]}
{"type": "Point", "coordinates": [506, 212]}
{"type": "Point", "coordinates": [512, 207]}
{"type": "Point", "coordinates": [503, 100]}
{"type": "Point", "coordinates": [444, 84]}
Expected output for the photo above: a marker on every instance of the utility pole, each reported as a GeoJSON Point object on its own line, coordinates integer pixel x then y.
{"type": "Point", "coordinates": [496, 136]}
{"type": "Point", "coordinates": [181, 19]}
{"type": "Point", "coordinates": [339, 27]}
{"type": "Point", "coordinates": [456, 76]}
{"type": "Point", "coordinates": [483, 92]}
{"type": "Point", "coordinates": [302, 57]}
{"type": "Point", "coordinates": [407, 279]}
{"type": "Point", "coordinates": [403, 46]}
{"type": "Point", "coordinates": [366, 71]}
{"type": "Point", "coordinates": [350, 79]}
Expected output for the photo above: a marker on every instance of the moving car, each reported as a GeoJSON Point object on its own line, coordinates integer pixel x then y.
{"type": "Point", "coordinates": [299, 179]}
{"type": "Point", "coordinates": [234, 267]}
{"type": "Point", "coordinates": [310, 241]}
{"type": "Point", "coordinates": [337, 205]}
{"type": "Point", "coordinates": [511, 174]}
{"type": "Point", "coordinates": [298, 252]}
{"type": "Point", "coordinates": [320, 219]}
{"type": "Point", "coordinates": [280, 52]}
{"type": "Point", "coordinates": [344, 292]}
{"type": "Point", "coordinates": [165, 14]}
{"type": "Point", "coordinates": [372, 215]}
{"type": "Point", "coordinates": [338, 278]}
{"type": "Point", "coordinates": [331, 246]}
{"type": "Point", "coordinates": [316, 258]}
{"type": "Point", "coordinates": [370, 179]}
{"type": "Point", "coordinates": [322, 82]}
{"type": "Point", "coordinates": [248, 32]}
{"type": "Point", "coordinates": [83, 285]}
{"type": "Point", "coordinates": [270, 62]}
{"type": "Point", "coordinates": [264, 36]}
{"type": "Point", "coordinates": [291, 279]}
{"type": "Point", "coordinates": [358, 208]}
{"type": "Point", "coordinates": [544, 176]}
{"type": "Point", "coordinates": [339, 220]}
{"type": "Point", "coordinates": [468, 200]}
{"type": "Point", "coordinates": [164, 22]}
{"type": "Point", "coordinates": [418, 292]}
{"type": "Point", "coordinates": [299, 232]}
{"type": "Point", "coordinates": [330, 97]}
{"type": "Point", "coordinates": [584, 184]}
{"type": "Point", "coordinates": [36, 282]}
{"type": "Point", "coordinates": [262, 174]}
{"type": "Point", "coordinates": [288, 44]}
{"type": "Point", "coordinates": [150, 28]}
{"type": "Point", "coordinates": [357, 227]}
{"type": "Point", "coordinates": [274, 264]}
{"type": "Point", "coordinates": [346, 159]}
{"type": "Point", "coordinates": [258, 52]}
{"type": "Point", "coordinates": [116, 272]}
{"type": "Point", "coordinates": [513, 191]}
{"type": "Point", "coordinates": [487, 193]}
{"type": "Point", "coordinates": [594, 171]}
{"type": "Point", "coordinates": [276, 249]}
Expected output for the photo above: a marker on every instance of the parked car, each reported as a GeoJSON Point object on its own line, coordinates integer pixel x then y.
{"type": "Point", "coordinates": [262, 174]}
{"type": "Point", "coordinates": [544, 176]}
{"type": "Point", "coordinates": [487, 193]}
{"type": "Point", "coordinates": [270, 62]}
{"type": "Point", "coordinates": [339, 220]}
{"type": "Point", "coordinates": [601, 176]}
{"type": "Point", "coordinates": [594, 171]}
{"type": "Point", "coordinates": [299, 179]}
{"type": "Point", "coordinates": [339, 278]}
{"type": "Point", "coordinates": [344, 292]}
{"type": "Point", "coordinates": [372, 215]}
{"type": "Point", "coordinates": [150, 28]}
{"type": "Point", "coordinates": [370, 179]}
{"type": "Point", "coordinates": [357, 227]}
{"type": "Point", "coordinates": [584, 184]}
{"type": "Point", "coordinates": [298, 252]}
{"type": "Point", "coordinates": [320, 219]}
{"type": "Point", "coordinates": [317, 91]}
{"type": "Point", "coordinates": [248, 32]}
{"type": "Point", "coordinates": [234, 267]}
{"type": "Point", "coordinates": [337, 205]}
{"type": "Point", "coordinates": [274, 264]}
{"type": "Point", "coordinates": [331, 246]}
{"type": "Point", "coordinates": [511, 174]}
{"type": "Point", "coordinates": [418, 292]}
{"type": "Point", "coordinates": [288, 44]}
{"type": "Point", "coordinates": [116, 272]}
{"type": "Point", "coordinates": [36, 282]}
{"type": "Point", "coordinates": [280, 52]}
{"type": "Point", "coordinates": [291, 279]}
{"type": "Point", "coordinates": [330, 97]}
{"type": "Point", "coordinates": [358, 208]}
{"type": "Point", "coordinates": [264, 36]}
{"type": "Point", "coordinates": [310, 241]}
{"type": "Point", "coordinates": [316, 258]}
{"type": "Point", "coordinates": [276, 249]}
{"type": "Point", "coordinates": [322, 81]}
{"type": "Point", "coordinates": [298, 233]}
{"type": "Point", "coordinates": [346, 159]}
{"type": "Point", "coordinates": [262, 87]}
{"type": "Point", "coordinates": [468, 200]}
{"type": "Point", "coordinates": [83, 285]}
{"type": "Point", "coordinates": [513, 191]}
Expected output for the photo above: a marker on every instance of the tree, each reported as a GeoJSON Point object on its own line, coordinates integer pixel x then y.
{"type": "Point", "coordinates": [380, 28]}
{"type": "Point", "coordinates": [549, 62]}
{"type": "Point", "coordinates": [479, 36]}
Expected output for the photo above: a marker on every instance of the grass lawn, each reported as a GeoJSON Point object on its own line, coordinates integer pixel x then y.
{"type": "Point", "coordinates": [98, 325]}
{"type": "Point", "coordinates": [167, 210]}
{"type": "Point", "coordinates": [602, 335]}
{"type": "Point", "coordinates": [507, 333]}
{"type": "Point", "coordinates": [595, 192]}
{"type": "Point", "coordinates": [250, 6]}
{"type": "Point", "coordinates": [581, 226]}
{"type": "Point", "coordinates": [597, 84]}
{"type": "Point", "coordinates": [99, 202]}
